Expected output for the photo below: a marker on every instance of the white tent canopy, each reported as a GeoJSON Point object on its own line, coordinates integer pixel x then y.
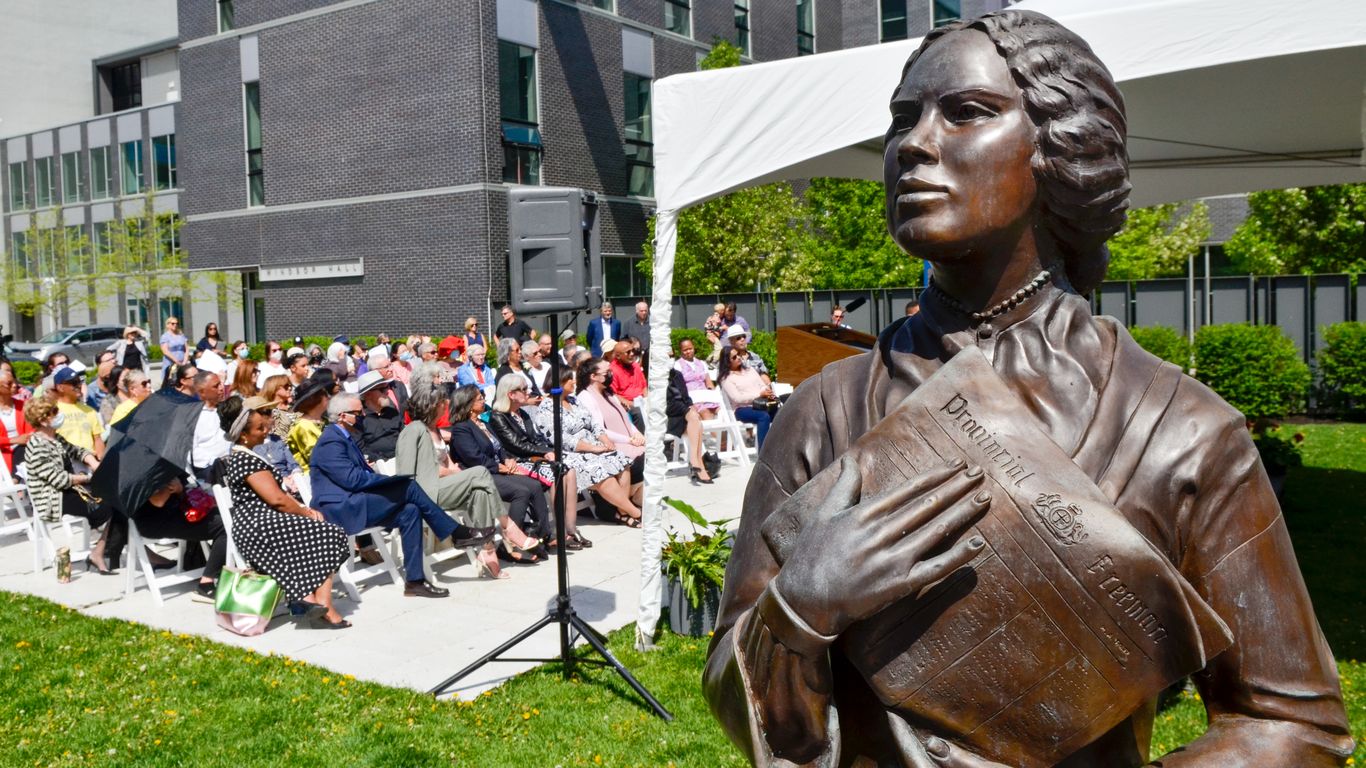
{"type": "Point", "coordinates": [1223, 96]}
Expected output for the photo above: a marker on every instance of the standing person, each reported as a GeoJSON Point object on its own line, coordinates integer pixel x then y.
{"type": "Point", "coordinates": [605, 328]}
{"type": "Point", "coordinates": [272, 365]}
{"type": "Point", "coordinates": [512, 327]}
{"type": "Point", "coordinates": [209, 442]}
{"type": "Point", "coordinates": [81, 425]}
{"type": "Point", "coordinates": [638, 328]}
{"type": "Point", "coordinates": [715, 328]}
{"type": "Point", "coordinates": [134, 387]}
{"type": "Point", "coordinates": [14, 428]}
{"type": "Point", "coordinates": [837, 316]}
{"type": "Point", "coordinates": [174, 343]}
{"type": "Point", "coordinates": [729, 320]}
{"type": "Point", "coordinates": [210, 340]}
{"type": "Point", "coordinates": [274, 533]}
{"type": "Point", "coordinates": [131, 351]}
{"type": "Point", "coordinates": [472, 334]}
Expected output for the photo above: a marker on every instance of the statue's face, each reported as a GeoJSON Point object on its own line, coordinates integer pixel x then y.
{"type": "Point", "coordinates": [957, 158]}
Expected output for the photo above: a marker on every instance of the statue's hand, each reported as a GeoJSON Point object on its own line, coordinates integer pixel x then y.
{"type": "Point", "coordinates": [946, 755]}
{"type": "Point", "coordinates": [855, 557]}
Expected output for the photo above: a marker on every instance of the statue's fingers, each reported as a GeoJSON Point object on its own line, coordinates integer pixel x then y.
{"type": "Point", "coordinates": [935, 568]}
{"type": "Point", "coordinates": [922, 484]}
{"type": "Point", "coordinates": [930, 507]}
{"type": "Point", "coordinates": [950, 755]}
{"type": "Point", "coordinates": [950, 524]}
{"type": "Point", "coordinates": [848, 486]}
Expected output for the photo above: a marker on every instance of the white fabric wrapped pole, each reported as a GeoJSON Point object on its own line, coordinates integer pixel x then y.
{"type": "Point", "coordinates": [656, 422]}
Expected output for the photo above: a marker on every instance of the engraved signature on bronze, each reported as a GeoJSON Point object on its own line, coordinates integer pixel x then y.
{"type": "Point", "coordinates": [1063, 520]}
{"type": "Point", "coordinates": [984, 438]}
{"type": "Point", "coordinates": [1119, 593]}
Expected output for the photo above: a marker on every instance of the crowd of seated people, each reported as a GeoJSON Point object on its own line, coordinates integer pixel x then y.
{"type": "Point", "coordinates": [317, 446]}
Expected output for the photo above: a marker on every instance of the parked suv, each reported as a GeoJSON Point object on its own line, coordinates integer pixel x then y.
{"type": "Point", "coordinates": [81, 343]}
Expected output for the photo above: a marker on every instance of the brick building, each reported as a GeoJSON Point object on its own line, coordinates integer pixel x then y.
{"type": "Point", "coordinates": [356, 154]}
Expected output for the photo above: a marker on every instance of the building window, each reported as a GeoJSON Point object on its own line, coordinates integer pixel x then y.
{"type": "Point", "coordinates": [100, 176]}
{"type": "Point", "coordinates": [639, 138]}
{"type": "Point", "coordinates": [742, 26]}
{"type": "Point", "coordinates": [125, 85]}
{"type": "Point", "coordinates": [605, 5]}
{"type": "Point", "coordinates": [171, 307]}
{"type": "Point", "coordinates": [163, 161]}
{"type": "Point", "coordinates": [946, 11]}
{"type": "Point", "coordinates": [806, 27]}
{"type": "Point", "coordinates": [101, 241]}
{"type": "Point", "coordinates": [678, 17]}
{"type": "Point", "coordinates": [71, 177]}
{"type": "Point", "coordinates": [134, 180]}
{"type": "Point", "coordinates": [18, 187]}
{"type": "Point", "coordinates": [23, 266]}
{"type": "Point", "coordinates": [893, 19]}
{"type": "Point", "coordinates": [168, 242]}
{"type": "Point", "coordinates": [44, 182]}
{"type": "Point", "coordinates": [76, 252]}
{"type": "Point", "coordinates": [256, 171]}
{"type": "Point", "coordinates": [225, 16]}
{"type": "Point", "coordinates": [517, 106]}
{"type": "Point", "coordinates": [41, 261]}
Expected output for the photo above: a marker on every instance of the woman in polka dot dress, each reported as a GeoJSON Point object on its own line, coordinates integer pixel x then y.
{"type": "Point", "coordinates": [274, 533]}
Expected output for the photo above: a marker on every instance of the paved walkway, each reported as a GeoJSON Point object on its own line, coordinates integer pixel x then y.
{"type": "Point", "coordinates": [409, 642]}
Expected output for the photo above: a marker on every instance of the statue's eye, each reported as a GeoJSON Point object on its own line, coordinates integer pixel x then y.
{"type": "Point", "coordinates": [968, 111]}
{"type": "Point", "coordinates": [902, 122]}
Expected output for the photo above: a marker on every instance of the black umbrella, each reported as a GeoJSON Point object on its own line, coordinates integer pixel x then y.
{"type": "Point", "coordinates": [147, 449]}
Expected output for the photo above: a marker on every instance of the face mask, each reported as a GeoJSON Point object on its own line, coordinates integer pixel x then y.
{"type": "Point", "coordinates": [57, 421]}
{"type": "Point", "coordinates": [276, 356]}
{"type": "Point", "coordinates": [406, 357]}
{"type": "Point", "coordinates": [360, 422]}
{"type": "Point", "coordinates": [244, 352]}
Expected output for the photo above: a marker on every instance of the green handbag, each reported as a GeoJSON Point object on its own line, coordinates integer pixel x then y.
{"type": "Point", "coordinates": [245, 601]}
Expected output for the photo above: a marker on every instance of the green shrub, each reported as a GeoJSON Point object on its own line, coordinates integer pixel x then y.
{"type": "Point", "coordinates": [1255, 368]}
{"type": "Point", "coordinates": [27, 372]}
{"type": "Point", "coordinates": [1165, 343]}
{"type": "Point", "coordinates": [698, 338]}
{"type": "Point", "coordinates": [1342, 361]}
{"type": "Point", "coordinates": [765, 345]}
{"type": "Point", "coordinates": [1279, 448]}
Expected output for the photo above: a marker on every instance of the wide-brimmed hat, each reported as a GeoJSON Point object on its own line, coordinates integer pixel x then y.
{"type": "Point", "coordinates": [132, 329]}
{"type": "Point", "coordinates": [735, 331]}
{"type": "Point", "coordinates": [258, 403]}
{"type": "Point", "coordinates": [607, 345]}
{"type": "Point", "coordinates": [311, 387]}
{"type": "Point", "coordinates": [450, 344]}
{"type": "Point", "coordinates": [371, 380]}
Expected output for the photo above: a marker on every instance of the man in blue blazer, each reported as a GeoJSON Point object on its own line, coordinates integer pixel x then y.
{"type": "Point", "coordinates": [606, 327]}
{"type": "Point", "coordinates": [352, 495]}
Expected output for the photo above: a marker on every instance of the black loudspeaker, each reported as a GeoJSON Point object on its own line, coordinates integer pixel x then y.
{"type": "Point", "coordinates": [554, 260]}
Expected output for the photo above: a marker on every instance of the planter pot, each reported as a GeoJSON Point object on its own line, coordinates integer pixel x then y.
{"type": "Point", "coordinates": [686, 620]}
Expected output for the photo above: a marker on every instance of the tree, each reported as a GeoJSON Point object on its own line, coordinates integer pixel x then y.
{"type": "Point", "coordinates": [143, 254]}
{"type": "Point", "coordinates": [741, 241]}
{"type": "Point", "coordinates": [1158, 241]}
{"type": "Point", "coordinates": [1302, 231]}
{"type": "Point", "coordinates": [45, 273]}
{"type": "Point", "coordinates": [849, 246]}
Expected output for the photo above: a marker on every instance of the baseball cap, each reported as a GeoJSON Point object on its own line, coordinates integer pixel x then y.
{"type": "Point", "coordinates": [65, 375]}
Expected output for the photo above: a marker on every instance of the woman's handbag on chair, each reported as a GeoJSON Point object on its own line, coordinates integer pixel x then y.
{"type": "Point", "coordinates": [245, 601]}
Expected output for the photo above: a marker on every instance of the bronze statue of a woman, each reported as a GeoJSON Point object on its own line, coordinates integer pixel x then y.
{"type": "Point", "coordinates": [1005, 166]}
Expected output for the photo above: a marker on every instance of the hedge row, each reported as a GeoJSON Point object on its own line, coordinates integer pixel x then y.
{"type": "Point", "coordinates": [1261, 373]}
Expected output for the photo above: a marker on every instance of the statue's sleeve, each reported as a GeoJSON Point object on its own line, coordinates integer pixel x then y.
{"type": "Point", "coordinates": [1273, 697]}
{"type": "Point", "coordinates": [768, 675]}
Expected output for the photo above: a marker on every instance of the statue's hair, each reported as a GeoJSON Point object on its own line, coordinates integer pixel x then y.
{"type": "Point", "coordinates": [1080, 159]}
{"type": "Point", "coordinates": [426, 393]}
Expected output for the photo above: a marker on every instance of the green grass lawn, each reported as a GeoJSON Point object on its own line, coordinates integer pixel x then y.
{"type": "Point", "coordinates": [82, 691]}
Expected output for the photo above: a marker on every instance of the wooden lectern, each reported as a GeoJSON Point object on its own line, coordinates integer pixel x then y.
{"type": "Point", "coordinates": [803, 350]}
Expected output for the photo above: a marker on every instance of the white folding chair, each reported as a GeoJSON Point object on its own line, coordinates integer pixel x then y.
{"type": "Point", "coordinates": [676, 453]}
{"type": "Point", "coordinates": [726, 424]}
{"type": "Point", "coordinates": [15, 514]}
{"type": "Point", "coordinates": [351, 575]}
{"type": "Point", "coordinates": [224, 498]}
{"type": "Point", "coordinates": [139, 567]}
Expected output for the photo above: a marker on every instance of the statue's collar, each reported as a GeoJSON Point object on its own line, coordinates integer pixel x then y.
{"type": "Point", "coordinates": [939, 331]}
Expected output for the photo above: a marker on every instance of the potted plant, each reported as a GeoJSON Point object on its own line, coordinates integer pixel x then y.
{"type": "Point", "coordinates": [694, 570]}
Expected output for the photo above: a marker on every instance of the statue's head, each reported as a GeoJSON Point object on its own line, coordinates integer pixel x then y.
{"type": "Point", "coordinates": [1002, 123]}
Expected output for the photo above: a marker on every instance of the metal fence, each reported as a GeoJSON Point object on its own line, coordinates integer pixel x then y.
{"type": "Point", "coordinates": [1299, 304]}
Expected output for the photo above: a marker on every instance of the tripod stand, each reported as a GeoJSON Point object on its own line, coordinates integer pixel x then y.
{"type": "Point", "coordinates": [563, 613]}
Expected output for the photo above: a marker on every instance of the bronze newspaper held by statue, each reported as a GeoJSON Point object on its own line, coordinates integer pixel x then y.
{"type": "Point", "coordinates": [994, 539]}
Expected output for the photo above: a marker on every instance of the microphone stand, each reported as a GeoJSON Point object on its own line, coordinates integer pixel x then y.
{"type": "Point", "coordinates": [563, 613]}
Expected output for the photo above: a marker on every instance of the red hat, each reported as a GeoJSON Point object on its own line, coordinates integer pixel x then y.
{"type": "Point", "coordinates": [450, 344]}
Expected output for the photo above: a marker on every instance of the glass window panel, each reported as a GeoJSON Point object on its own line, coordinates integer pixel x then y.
{"type": "Point", "coordinates": [134, 180]}
{"type": "Point", "coordinates": [225, 16]}
{"type": "Point", "coordinates": [125, 85]}
{"type": "Point", "coordinates": [637, 104]}
{"type": "Point", "coordinates": [517, 82]}
{"type": "Point", "coordinates": [616, 275]}
{"type": "Point", "coordinates": [605, 5]}
{"type": "Point", "coordinates": [19, 253]}
{"type": "Point", "coordinates": [99, 173]}
{"type": "Point", "coordinates": [18, 187]}
{"type": "Point", "coordinates": [806, 27]}
{"type": "Point", "coordinates": [678, 17]}
{"type": "Point", "coordinates": [256, 182]}
{"type": "Point", "coordinates": [163, 161]}
{"type": "Point", "coordinates": [73, 251]}
{"type": "Point", "coordinates": [742, 26]}
{"type": "Point", "coordinates": [45, 184]}
{"type": "Point", "coordinates": [946, 11]}
{"type": "Point", "coordinates": [71, 177]}
{"type": "Point", "coordinates": [893, 20]}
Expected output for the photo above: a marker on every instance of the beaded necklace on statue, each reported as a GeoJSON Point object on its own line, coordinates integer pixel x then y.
{"type": "Point", "coordinates": [995, 310]}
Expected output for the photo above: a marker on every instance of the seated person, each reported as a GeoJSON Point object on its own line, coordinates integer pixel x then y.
{"type": "Point", "coordinates": [685, 422]}
{"type": "Point", "coordinates": [475, 371]}
{"type": "Point", "coordinates": [383, 419]}
{"type": "Point", "coordinates": [273, 448]}
{"type": "Point", "coordinates": [701, 389]}
{"type": "Point", "coordinates": [163, 517]}
{"type": "Point", "coordinates": [513, 428]}
{"type": "Point", "coordinates": [274, 533]}
{"type": "Point", "coordinates": [469, 492]}
{"type": "Point", "coordinates": [751, 396]}
{"type": "Point", "coordinates": [587, 449]}
{"type": "Point", "coordinates": [310, 403]}
{"type": "Point", "coordinates": [352, 495]}
{"type": "Point", "coordinates": [472, 444]}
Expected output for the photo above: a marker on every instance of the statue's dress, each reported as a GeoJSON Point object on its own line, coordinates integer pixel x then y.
{"type": "Point", "coordinates": [1192, 485]}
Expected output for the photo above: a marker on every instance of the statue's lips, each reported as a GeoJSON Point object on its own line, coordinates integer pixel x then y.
{"type": "Point", "coordinates": [914, 191]}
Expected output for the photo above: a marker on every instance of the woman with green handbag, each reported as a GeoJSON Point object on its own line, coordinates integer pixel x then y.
{"type": "Point", "coordinates": [275, 534]}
